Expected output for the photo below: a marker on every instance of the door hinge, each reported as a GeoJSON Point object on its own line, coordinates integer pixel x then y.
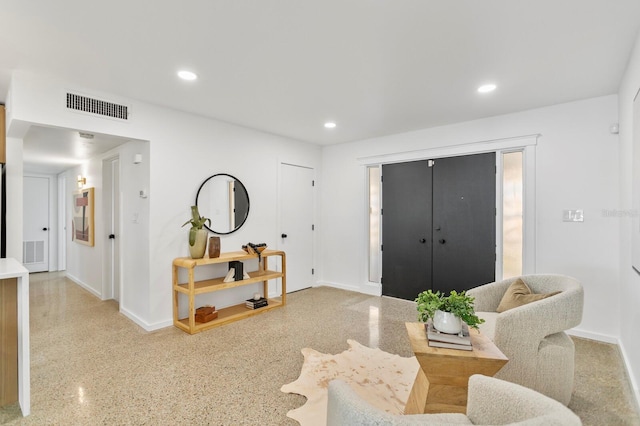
{"type": "Point", "coordinates": [381, 247]}
{"type": "Point", "coordinates": [313, 227]}
{"type": "Point", "coordinates": [313, 183]}
{"type": "Point", "coordinates": [381, 178]}
{"type": "Point", "coordinates": [381, 210]}
{"type": "Point", "coordinates": [381, 280]}
{"type": "Point", "coordinates": [313, 271]}
{"type": "Point", "coordinates": [430, 163]}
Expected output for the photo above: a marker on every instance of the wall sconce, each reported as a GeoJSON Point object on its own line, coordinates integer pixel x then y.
{"type": "Point", "coordinates": [82, 181]}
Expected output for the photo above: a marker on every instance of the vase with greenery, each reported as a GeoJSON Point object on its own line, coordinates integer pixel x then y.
{"type": "Point", "coordinates": [197, 235]}
{"type": "Point", "coordinates": [458, 304]}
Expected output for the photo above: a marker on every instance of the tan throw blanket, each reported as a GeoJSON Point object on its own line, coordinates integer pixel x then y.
{"type": "Point", "coordinates": [382, 379]}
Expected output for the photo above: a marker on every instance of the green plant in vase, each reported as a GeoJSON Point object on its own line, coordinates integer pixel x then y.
{"type": "Point", "coordinates": [458, 304]}
{"type": "Point", "coordinates": [197, 235]}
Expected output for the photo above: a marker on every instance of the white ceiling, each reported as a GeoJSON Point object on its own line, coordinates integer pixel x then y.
{"type": "Point", "coordinates": [375, 67]}
{"type": "Point", "coordinates": [51, 150]}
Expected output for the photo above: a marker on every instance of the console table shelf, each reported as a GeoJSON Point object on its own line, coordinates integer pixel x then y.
{"type": "Point", "coordinates": [232, 313]}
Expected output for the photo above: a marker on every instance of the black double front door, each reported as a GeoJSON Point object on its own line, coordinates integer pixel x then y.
{"type": "Point", "coordinates": [438, 225]}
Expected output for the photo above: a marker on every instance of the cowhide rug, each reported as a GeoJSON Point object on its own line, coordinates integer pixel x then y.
{"type": "Point", "coordinates": [382, 379]}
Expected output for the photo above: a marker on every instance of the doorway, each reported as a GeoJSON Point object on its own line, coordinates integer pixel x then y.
{"type": "Point", "coordinates": [296, 224]}
{"type": "Point", "coordinates": [438, 219]}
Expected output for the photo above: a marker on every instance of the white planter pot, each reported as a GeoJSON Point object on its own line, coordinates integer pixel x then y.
{"type": "Point", "coordinates": [446, 322]}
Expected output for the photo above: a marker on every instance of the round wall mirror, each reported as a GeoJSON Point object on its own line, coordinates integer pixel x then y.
{"type": "Point", "coordinates": [223, 199]}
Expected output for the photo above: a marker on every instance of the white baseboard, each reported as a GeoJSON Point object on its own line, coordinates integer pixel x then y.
{"type": "Point", "coordinates": [85, 286]}
{"type": "Point", "coordinates": [606, 338]}
{"type": "Point", "coordinates": [630, 375]}
{"type": "Point", "coordinates": [145, 325]}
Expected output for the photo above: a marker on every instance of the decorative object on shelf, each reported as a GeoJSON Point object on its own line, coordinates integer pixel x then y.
{"type": "Point", "coordinates": [256, 296]}
{"type": "Point", "coordinates": [238, 269]}
{"type": "Point", "coordinates": [82, 224]}
{"type": "Point", "coordinates": [230, 277]}
{"type": "Point", "coordinates": [252, 248]}
{"type": "Point", "coordinates": [206, 314]}
{"type": "Point", "coordinates": [197, 235]}
{"type": "Point", "coordinates": [214, 247]}
{"type": "Point", "coordinates": [255, 304]}
{"type": "Point", "coordinates": [458, 304]}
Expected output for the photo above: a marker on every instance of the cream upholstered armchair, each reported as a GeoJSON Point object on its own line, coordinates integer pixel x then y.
{"type": "Point", "coordinates": [541, 354]}
{"type": "Point", "coordinates": [490, 401]}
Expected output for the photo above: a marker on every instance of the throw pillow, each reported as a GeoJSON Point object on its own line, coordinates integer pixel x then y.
{"type": "Point", "coordinates": [519, 294]}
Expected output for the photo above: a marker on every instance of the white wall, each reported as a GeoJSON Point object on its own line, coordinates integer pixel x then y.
{"type": "Point", "coordinates": [183, 150]}
{"type": "Point", "coordinates": [576, 167]}
{"type": "Point", "coordinates": [13, 175]}
{"type": "Point", "coordinates": [629, 280]}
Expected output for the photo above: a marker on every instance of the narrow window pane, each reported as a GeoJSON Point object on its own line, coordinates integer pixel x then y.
{"type": "Point", "coordinates": [512, 207]}
{"type": "Point", "coordinates": [374, 224]}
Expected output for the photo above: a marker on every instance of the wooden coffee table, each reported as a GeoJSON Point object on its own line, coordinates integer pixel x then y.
{"type": "Point", "coordinates": [443, 379]}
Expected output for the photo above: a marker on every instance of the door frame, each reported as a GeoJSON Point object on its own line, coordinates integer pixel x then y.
{"type": "Point", "coordinates": [525, 143]}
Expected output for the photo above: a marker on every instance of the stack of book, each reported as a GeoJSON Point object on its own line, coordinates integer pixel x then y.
{"type": "Point", "coordinates": [256, 303]}
{"type": "Point", "coordinates": [438, 339]}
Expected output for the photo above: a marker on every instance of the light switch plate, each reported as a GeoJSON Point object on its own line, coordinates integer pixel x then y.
{"type": "Point", "coordinates": [573, 215]}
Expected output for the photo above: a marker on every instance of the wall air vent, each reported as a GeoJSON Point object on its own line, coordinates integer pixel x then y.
{"type": "Point", "coordinates": [32, 252]}
{"type": "Point", "coordinates": [97, 106]}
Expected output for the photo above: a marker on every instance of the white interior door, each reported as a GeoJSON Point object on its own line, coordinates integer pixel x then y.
{"type": "Point", "coordinates": [296, 223]}
{"type": "Point", "coordinates": [35, 245]}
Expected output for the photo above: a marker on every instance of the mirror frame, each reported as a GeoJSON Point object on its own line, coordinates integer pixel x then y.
{"type": "Point", "coordinates": [248, 202]}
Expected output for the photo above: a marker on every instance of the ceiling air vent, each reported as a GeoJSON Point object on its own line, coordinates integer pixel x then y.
{"type": "Point", "coordinates": [97, 106]}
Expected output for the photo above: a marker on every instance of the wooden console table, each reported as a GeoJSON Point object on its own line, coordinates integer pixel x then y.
{"type": "Point", "coordinates": [442, 382]}
{"type": "Point", "coordinates": [192, 288]}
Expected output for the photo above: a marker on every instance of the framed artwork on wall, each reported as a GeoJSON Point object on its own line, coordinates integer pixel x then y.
{"type": "Point", "coordinates": [82, 226]}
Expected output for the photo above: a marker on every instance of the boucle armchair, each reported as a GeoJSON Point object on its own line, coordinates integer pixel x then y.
{"type": "Point", "coordinates": [541, 354]}
{"type": "Point", "coordinates": [490, 401]}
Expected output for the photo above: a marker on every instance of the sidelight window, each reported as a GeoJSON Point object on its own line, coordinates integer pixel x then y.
{"type": "Point", "coordinates": [512, 213]}
{"type": "Point", "coordinates": [375, 266]}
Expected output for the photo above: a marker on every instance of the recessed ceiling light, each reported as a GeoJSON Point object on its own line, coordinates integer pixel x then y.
{"type": "Point", "coordinates": [329, 125]}
{"type": "Point", "coordinates": [187, 75]}
{"type": "Point", "coordinates": [486, 88]}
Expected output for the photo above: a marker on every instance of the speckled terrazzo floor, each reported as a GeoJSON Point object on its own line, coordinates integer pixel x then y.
{"type": "Point", "coordinates": [92, 366]}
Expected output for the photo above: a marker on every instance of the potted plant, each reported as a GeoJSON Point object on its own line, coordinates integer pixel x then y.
{"type": "Point", "coordinates": [447, 312]}
{"type": "Point", "coordinates": [197, 235]}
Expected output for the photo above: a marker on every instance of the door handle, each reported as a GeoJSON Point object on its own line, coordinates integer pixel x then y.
{"type": "Point", "coordinates": [422, 240]}
{"type": "Point", "coordinates": [112, 237]}
{"type": "Point", "coordinates": [284, 235]}
{"type": "Point", "coordinates": [45, 229]}
{"type": "Point", "coordinates": [442, 241]}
